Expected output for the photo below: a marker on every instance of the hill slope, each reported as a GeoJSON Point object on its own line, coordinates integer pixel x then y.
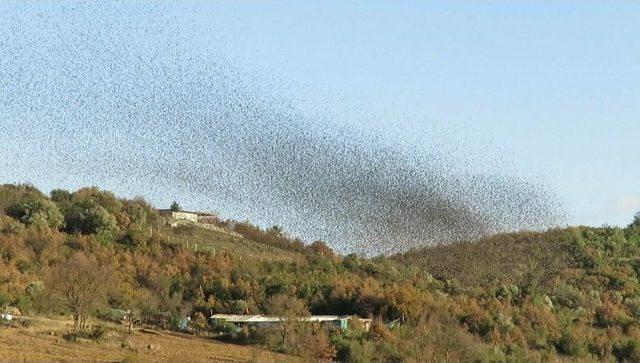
{"type": "Point", "coordinates": [559, 294]}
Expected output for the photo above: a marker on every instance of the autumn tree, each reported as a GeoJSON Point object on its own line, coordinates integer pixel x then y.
{"type": "Point", "coordinates": [290, 310]}
{"type": "Point", "coordinates": [199, 323]}
{"type": "Point", "coordinates": [322, 249]}
{"type": "Point", "coordinates": [312, 342]}
{"type": "Point", "coordinates": [82, 283]}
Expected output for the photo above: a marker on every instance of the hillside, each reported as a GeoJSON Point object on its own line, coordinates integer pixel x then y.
{"type": "Point", "coordinates": [198, 238]}
{"type": "Point", "coordinates": [529, 296]}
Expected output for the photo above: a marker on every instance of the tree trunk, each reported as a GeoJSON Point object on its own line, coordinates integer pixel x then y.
{"type": "Point", "coordinates": [76, 321]}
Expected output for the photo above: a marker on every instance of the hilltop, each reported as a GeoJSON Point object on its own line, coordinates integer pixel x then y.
{"type": "Point", "coordinates": [559, 294]}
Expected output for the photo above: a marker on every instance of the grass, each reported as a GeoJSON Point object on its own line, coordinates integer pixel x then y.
{"type": "Point", "coordinates": [202, 239]}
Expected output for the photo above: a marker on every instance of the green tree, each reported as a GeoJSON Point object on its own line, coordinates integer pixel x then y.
{"type": "Point", "coordinates": [636, 221]}
{"type": "Point", "coordinates": [87, 217]}
{"type": "Point", "coordinates": [175, 207]}
{"type": "Point", "coordinates": [60, 195]}
{"type": "Point", "coordinates": [33, 209]}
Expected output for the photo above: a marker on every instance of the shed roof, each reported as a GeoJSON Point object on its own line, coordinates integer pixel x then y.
{"type": "Point", "coordinates": [234, 318]}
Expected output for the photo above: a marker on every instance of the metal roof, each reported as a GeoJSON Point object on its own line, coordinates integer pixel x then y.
{"type": "Point", "coordinates": [233, 318]}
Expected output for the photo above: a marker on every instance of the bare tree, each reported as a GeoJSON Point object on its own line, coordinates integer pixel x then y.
{"type": "Point", "coordinates": [82, 283]}
{"type": "Point", "coordinates": [129, 319]}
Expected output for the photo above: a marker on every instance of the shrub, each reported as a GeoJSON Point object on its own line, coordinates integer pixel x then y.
{"type": "Point", "coordinates": [24, 303]}
{"type": "Point", "coordinates": [222, 326]}
{"type": "Point", "coordinates": [10, 225]}
{"type": "Point", "coordinates": [88, 218]}
{"type": "Point", "coordinates": [98, 332]}
{"type": "Point", "coordinates": [35, 210]}
{"type": "Point", "coordinates": [4, 300]}
{"type": "Point", "coordinates": [628, 352]}
{"type": "Point", "coordinates": [572, 343]}
{"type": "Point", "coordinates": [135, 238]}
{"type": "Point", "coordinates": [568, 296]}
{"type": "Point", "coordinates": [608, 315]}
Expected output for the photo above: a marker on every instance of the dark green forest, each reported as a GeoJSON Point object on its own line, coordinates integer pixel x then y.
{"type": "Point", "coordinates": [560, 294]}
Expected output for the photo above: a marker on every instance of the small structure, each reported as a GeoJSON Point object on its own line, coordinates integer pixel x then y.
{"type": "Point", "coordinates": [9, 313]}
{"type": "Point", "coordinates": [330, 321]}
{"type": "Point", "coordinates": [193, 217]}
{"type": "Point", "coordinates": [179, 215]}
{"type": "Point", "coordinates": [7, 317]}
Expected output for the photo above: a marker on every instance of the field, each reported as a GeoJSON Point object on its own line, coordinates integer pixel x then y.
{"type": "Point", "coordinates": [41, 339]}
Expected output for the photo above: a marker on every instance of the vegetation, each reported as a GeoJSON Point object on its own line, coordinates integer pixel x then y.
{"type": "Point", "coordinates": [175, 207]}
{"type": "Point", "coordinates": [561, 294]}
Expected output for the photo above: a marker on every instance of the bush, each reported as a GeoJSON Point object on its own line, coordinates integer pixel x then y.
{"type": "Point", "coordinates": [98, 332]}
{"type": "Point", "coordinates": [4, 300]}
{"type": "Point", "coordinates": [572, 344]}
{"type": "Point", "coordinates": [628, 352]}
{"type": "Point", "coordinates": [135, 238]}
{"type": "Point", "coordinates": [222, 326]}
{"type": "Point", "coordinates": [25, 323]}
{"type": "Point", "coordinates": [24, 303]}
{"type": "Point", "coordinates": [35, 210]}
{"type": "Point", "coordinates": [568, 296]}
{"type": "Point", "coordinates": [88, 218]}
{"type": "Point", "coordinates": [105, 237]}
{"type": "Point", "coordinates": [10, 225]}
{"type": "Point", "coordinates": [71, 336]}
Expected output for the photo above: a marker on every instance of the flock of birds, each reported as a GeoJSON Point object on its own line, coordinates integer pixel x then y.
{"type": "Point", "coordinates": [119, 101]}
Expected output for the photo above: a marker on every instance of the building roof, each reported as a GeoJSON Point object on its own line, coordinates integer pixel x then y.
{"type": "Point", "coordinates": [176, 211]}
{"type": "Point", "coordinates": [236, 318]}
{"type": "Point", "coordinates": [232, 318]}
{"type": "Point", "coordinates": [201, 214]}
{"type": "Point", "coordinates": [324, 318]}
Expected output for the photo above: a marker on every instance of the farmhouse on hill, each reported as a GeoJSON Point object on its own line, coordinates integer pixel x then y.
{"type": "Point", "coordinates": [184, 215]}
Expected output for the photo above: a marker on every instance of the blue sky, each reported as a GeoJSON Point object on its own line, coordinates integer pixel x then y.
{"type": "Point", "coordinates": [550, 87]}
{"type": "Point", "coordinates": [555, 83]}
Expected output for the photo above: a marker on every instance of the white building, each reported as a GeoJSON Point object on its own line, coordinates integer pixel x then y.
{"type": "Point", "coordinates": [334, 321]}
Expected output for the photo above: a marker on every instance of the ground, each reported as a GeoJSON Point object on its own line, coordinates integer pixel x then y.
{"type": "Point", "coordinates": [41, 339]}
